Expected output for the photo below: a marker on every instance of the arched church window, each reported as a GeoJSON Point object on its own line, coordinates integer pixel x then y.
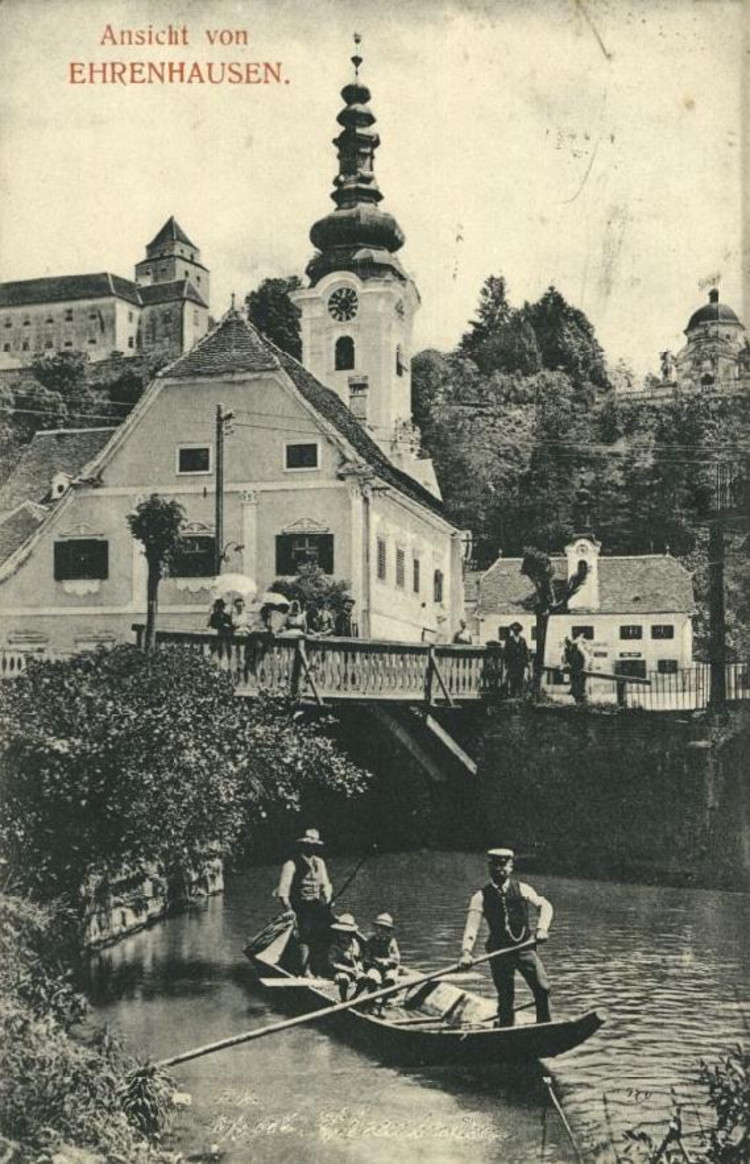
{"type": "Point", "coordinates": [400, 362]}
{"type": "Point", "coordinates": [344, 353]}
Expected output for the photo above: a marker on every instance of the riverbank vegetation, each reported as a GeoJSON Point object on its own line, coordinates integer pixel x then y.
{"type": "Point", "coordinates": [59, 1090]}
{"type": "Point", "coordinates": [125, 757]}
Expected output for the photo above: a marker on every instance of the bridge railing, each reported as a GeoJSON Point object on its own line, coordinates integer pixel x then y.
{"type": "Point", "coordinates": [340, 669]}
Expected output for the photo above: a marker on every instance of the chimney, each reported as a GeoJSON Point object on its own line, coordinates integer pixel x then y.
{"type": "Point", "coordinates": [358, 392]}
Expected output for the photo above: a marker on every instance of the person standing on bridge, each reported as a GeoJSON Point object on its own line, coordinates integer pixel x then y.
{"type": "Point", "coordinates": [504, 905]}
{"type": "Point", "coordinates": [305, 888]}
{"type": "Point", "coordinates": [516, 657]}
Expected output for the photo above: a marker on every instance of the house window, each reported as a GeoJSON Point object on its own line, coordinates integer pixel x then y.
{"type": "Point", "coordinates": [79, 558]}
{"type": "Point", "coordinates": [667, 666]}
{"type": "Point", "coordinates": [48, 343]}
{"type": "Point", "coordinates": [91, 340]}
{"type": "Point", "coordinates": [301, 456]}
{"type": "Point", "coordinates": [68, 314]}
{"type": "Point", "coordinates": [9, 323]}
{"type": "Point", "coordinates": [634, 667]}
{"type": "Point", "coordinates": [25, 346]}
{"type": "Point", "coordinates": [400, 567]}
{"type": "Point", "coordinates": [663, 630]}
{"type": "Point", "coordinates": [295, 550]}
{"type": "Point", "coordinates": [49, 319]}
{"type": "Point", "coordinates": [92, 315]}
{"type": "Point", "coordinates": [130, 341]}
{"type": "Point", "coordinates": [502, 633]}
{"type": "Point", "coordinates": [195, 556]}
{"type": "Point", "coordinates": [415, 576]}
{"type": "Point", "coordinates": [582, 632]}
{"type": "Point", "coordinates": [344, 354]}
{"type": "Point", "coordinates": [68, 344]}
{"type": "Point", "coordinates": [438, 586]}
{"type": "Point", "coordinates": [194, 459]}
{"type": "Point", "coordinates": [382, 560]}
{"type": "Point", "coordinates": [6, 347]}
{"type": "Point", "coordinates": [130, 317]}
{"type": "Point", "coordinates": [631, 631]}
{"type": "Point", "coordinates": [27, 323]}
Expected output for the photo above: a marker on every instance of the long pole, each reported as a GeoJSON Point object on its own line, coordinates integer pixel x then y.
{"type": "Point", "coordinates": [312, 1016]}
{"type": "Point", "coordinates": [219, 490]}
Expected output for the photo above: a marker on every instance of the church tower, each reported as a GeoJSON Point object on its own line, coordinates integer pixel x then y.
{"type": "Point", "coordinates": [358, 310]}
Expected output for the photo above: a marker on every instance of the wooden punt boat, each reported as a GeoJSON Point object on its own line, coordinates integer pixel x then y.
{"type": "Point", "coordinates": [439, 1022]}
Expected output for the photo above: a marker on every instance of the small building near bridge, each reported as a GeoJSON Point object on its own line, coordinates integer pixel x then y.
{"type": "Point", "coordinates": [632, 616]}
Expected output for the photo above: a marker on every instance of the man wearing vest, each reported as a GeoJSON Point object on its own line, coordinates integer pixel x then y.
{"type": "Point", "coordinates": [305, 888]}
{"type": "Point", "coordinates": [504, 905]}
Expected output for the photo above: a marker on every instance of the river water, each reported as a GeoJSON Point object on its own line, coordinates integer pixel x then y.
{"type": "Point", "coordinates": [669, 966]}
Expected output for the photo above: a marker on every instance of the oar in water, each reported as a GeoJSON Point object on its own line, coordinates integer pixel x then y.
{"type": "Point", "coordinates": [337, 1008]}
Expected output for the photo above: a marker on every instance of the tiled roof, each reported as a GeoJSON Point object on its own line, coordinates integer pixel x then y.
{"type": "Point", "coordinates": [647, 584]}
{"type": "Point", "coordinates": [17, 526]}
{"type": "Point", "coordinates": [232, 346]}
{"type": "Point", "coordinates": [61, 288]}
{"type": "Point", "coordinates": [168, 292]}
{"type": "Point", "coordinates": [59, 451]}
{"type": "Point", "coordinates": [235, 345]}
{"type": "Point", "coordinates": [170, 232]}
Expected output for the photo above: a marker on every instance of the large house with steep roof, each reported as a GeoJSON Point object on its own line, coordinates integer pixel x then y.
{"type": "Point", "coordinates": [303, 481]}
{"type": "Point", "coordinates": [163, 312]}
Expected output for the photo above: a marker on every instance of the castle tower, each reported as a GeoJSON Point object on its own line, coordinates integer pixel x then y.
{"type": "Point", "coordinates": [359, 307]}
{"type": "Point", "coordinates": [171, 256]}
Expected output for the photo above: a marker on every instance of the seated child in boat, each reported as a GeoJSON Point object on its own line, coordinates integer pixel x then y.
{"type": "Point", "coordinates": [345, 959]}
{"type": "Point", "coordinates": [382, 955]}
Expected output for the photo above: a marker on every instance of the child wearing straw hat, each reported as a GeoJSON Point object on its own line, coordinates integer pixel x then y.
{"type": "Point", "coordinates": [345, 959]}
{"type": "Point", "coordinates": [382, 955]}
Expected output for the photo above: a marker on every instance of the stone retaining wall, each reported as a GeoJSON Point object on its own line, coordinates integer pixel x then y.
{"type": "Point", "coordinates": [118, 902]}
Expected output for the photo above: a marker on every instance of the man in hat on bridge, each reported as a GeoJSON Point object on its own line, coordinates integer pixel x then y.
{"type": "Point", "coordinates": [516, 656]}
{"type": "Point", "coordinates": [305, 888]}
{"type": "Point", "coordinates": [504, 905]}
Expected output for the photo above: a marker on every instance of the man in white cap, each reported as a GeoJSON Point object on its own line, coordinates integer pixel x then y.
{"type": "Point", "coordinates": [305, 888]}
{"type": "Point", "coordinates": [504, 905]}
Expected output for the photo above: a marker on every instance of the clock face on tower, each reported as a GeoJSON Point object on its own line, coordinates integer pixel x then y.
{"type": "Point", "coordinates": [343, 303]}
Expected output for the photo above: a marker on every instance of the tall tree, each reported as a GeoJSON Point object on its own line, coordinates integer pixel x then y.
{"type": "Point", "coordinates": [273, 313]}
{"type": "Point", "coordinates": [566, 339]}
{"type": "Point", "coordinates": [156, 524]}
{"type": "Point", "coordinates": [537, 567]}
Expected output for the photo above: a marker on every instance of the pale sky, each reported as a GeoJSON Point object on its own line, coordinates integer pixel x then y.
{"type": "Point", "coordinates": [595, 145]}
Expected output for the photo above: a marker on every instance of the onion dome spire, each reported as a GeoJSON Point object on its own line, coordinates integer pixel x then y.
{"type": "Point", "coordinates": [356, 236]}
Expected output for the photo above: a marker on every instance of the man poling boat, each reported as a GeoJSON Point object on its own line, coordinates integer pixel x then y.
{"type": "Point", "coordinates": [503, 904]}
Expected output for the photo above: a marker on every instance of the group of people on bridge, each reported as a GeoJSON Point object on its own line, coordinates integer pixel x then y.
{"type": "Point", "coordinates": [332, 946]}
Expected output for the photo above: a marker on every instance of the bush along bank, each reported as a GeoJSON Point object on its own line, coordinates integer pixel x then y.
{"type": "Point", "coordinates": [128, 777]}
{"type": "Point", "coordinates": [62, 1098]}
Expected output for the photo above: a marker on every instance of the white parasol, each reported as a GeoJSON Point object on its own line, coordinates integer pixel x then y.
{"type": "Point", "coordinates": [274, 599]}
{"type": "Point", "coordinates": [231, 586]}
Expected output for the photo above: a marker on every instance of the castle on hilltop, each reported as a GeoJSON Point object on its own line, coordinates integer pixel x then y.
{"type": "Point", "coordinates": [165, 311]}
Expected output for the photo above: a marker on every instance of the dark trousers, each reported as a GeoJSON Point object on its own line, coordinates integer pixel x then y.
{"type": "Point", "coordinates": [516, 677]}
{"type": "Point", "coordinates": [529, 965]}
{"type": "Point", "coordinates": [313, 932]}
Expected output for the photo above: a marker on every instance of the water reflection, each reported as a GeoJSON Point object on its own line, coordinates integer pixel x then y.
{"type": "Point", "coordinates": [667, 964]}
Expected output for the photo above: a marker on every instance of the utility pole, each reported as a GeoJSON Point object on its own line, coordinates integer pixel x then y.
{"type": "Point", "coordinates": [717, 617]}
{"type": "Point", "coordinates": [222, 420]}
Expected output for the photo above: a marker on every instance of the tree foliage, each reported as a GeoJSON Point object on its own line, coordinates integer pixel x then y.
{"type": "Point", "coordinates": [124, 757]}
{"type": "Point", "coordinates": [156, 523]}
{"type": "Point", "coordinates": [273, 313]}
{"type": "Point", "coordinates": [311, 587]}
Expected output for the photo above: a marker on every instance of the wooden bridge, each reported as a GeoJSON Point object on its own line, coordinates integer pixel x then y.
{"type": "Point", "coordinates": [340, 670]}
